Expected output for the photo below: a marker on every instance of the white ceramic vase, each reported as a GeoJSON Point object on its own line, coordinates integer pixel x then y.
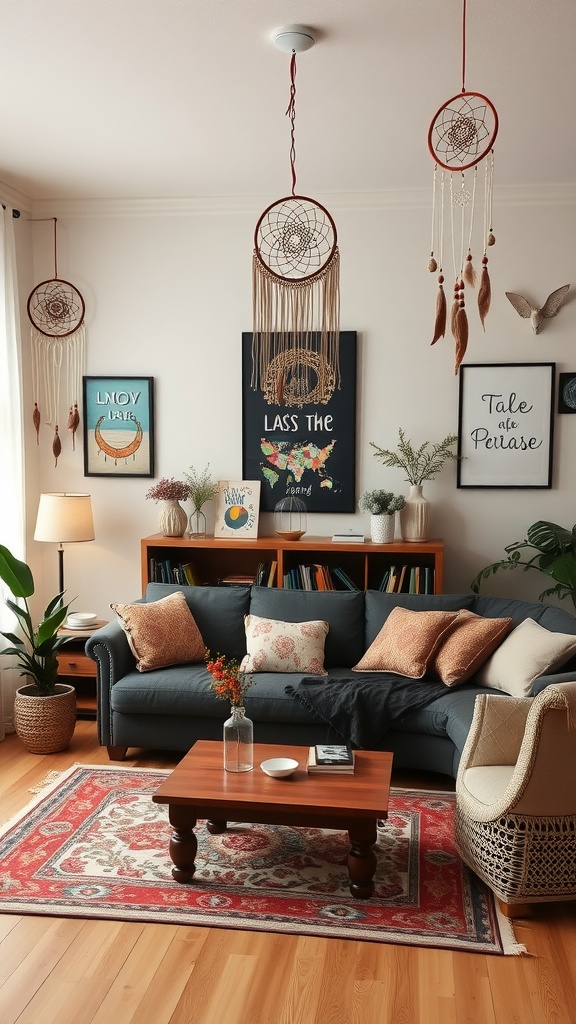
{"type": "Point", "coordinates": [173, 520]}
{"type": "Point", "coordinates": [415, 516]}
{"type": "Point", "coordinates": [382, 529]}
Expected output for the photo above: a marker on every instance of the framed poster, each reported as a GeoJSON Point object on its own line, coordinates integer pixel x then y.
{"type": "Point", "coordinates": [567, 392]}
{"type": "Point", "coordinates": [505, 425]}
{"type": "Point", "coordinates": [118, 426]}
{"type": "Point", "coordinates": [298, 447]}
{"type": "Point", "coordinates": [237, 509]}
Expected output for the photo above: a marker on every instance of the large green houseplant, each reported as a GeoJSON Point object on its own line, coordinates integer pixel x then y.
{"type": "Point", "coordinates": [554, 555]}
{"type": "Point", "coordinates": [44, 710]}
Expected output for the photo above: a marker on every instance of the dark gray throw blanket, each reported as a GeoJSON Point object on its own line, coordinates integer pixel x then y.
{"type": "Point", "coordinates": [363, 707]}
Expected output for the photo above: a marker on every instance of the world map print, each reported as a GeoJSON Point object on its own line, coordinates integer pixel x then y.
{"type": "Point", "coordinates": [295, 460]}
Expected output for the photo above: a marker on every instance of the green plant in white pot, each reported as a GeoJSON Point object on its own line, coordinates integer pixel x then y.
{"type": "Point", "coordinates": [44, 710]}
{"type": "Point", "coordinates": [382, 506]}
{"type": "Point", "coordinates": [419, 464]}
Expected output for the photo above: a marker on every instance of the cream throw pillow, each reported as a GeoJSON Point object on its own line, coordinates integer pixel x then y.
{"type": "Point", "coordinates": [468, 645]}
{"type": "Point", "coordinates": [407, 642]}
{"type": "Point", "coordinates": [530, 651]}
{"type": "Point", "coordinates": [161, 633]}
{"type": "Point", "coordinates": [275, 646]}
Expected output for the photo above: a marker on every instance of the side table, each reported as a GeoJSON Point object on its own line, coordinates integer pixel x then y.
{"type": "Point", "coordinates": [76, 668]}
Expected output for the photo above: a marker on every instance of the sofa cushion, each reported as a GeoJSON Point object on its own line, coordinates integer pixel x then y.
{"type": "Point", "coordinates": [528, 652]}
{"type": "Point", "coordinates": [379, 606]}
{"type": "Point", "coordinates": [470, 642]}
{"type": "Point", "coordinates": [407, 642]}
{"type": "Point", "coordinates": [162, 633]}
{"type": "Point", "coordinates": [342, 610]}
{"type": "Point", "coordinates": [219, 613]}
{"type": "Point", "coordinates": [277, 646]}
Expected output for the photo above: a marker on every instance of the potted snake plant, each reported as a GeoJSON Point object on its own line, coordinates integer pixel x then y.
{"type": "Point", "coordinates": [44, 710]}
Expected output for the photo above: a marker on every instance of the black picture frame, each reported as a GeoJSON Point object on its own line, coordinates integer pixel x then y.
{"type": "Point", "coordinates": [116, 406]}
{"type": "Point", "coordinates": [290, 431]}
{"type": "Point", "coordinates": [506, 425]}
{"type": "Point", "coordinates": [567, 392]}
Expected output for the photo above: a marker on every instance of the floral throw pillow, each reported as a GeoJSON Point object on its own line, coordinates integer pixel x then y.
{"type": "Point", "coordinates": [161, 633]}
{"type": "Point", "coordinates": [276, 646]}
{"type": "Point", "coordinates": [407, 642]}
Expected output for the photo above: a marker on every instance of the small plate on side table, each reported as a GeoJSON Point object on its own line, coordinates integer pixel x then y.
{"type": "Point", "coordinates": [279, 767]}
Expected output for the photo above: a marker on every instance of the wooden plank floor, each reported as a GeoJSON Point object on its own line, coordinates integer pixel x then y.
{"type": "Point", "coordinates": [68, 971]}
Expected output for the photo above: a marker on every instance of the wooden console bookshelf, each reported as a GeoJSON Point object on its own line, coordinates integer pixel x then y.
{"type": "Point", "coordinates": [212, 559]}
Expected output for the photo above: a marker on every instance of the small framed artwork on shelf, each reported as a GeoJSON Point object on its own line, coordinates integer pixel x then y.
{"type": "Point", "coordinates": [567, 392]}
{"type": "Point", "coordinates": [237, 509]}
{"type": "Point", "coordinates": [118, 426]}
{"type": "Point", "coordinates": [505, 425]}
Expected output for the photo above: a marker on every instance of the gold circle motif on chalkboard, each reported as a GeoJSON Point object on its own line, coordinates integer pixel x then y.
{"type": "Point", "coordinates": [306, 377]}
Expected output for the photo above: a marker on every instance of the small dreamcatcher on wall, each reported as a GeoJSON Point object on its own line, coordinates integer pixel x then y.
{"type": "Point", "coordinates": [56, 311]}
{"type": "Point", "coordinates": [296, 282]}
{"type": "Point", "coordinates": [461, 139]}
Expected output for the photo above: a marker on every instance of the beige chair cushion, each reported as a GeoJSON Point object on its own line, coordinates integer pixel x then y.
{"type": "Point", "coordinates": [276, 646]}
{"type": "Point", "coordinates": [407, 642]}
{"type": "Point", "coordinates": [528, 652]}
{"type": "Point", "coordinates": [468, 645]}
{"type": "Point", "coordinates": [161, 633]}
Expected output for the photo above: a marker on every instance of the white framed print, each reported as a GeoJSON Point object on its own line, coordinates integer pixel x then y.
{"type": "Point", "coordinates": [506, 424]}
{"type": "Point", "coordinates": [237, 509]}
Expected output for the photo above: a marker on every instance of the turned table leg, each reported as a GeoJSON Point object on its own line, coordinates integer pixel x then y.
{"type": "Point", "coordinates": [216, 827]}
{"type": "Point", "coordinates": [362, 858]}
{"type": "Point", "coordinates": [183, 842]}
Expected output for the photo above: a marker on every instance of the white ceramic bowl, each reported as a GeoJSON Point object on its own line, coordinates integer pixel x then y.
{"type": "Point", "coordinates": [81, 618]}
{"type": "Point", "coordinates": [279, 767]}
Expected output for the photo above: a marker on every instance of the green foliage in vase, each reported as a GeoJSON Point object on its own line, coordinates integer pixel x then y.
{"type": "Point", "coordinates": [419, 464]}
{"type": "Point", "coordinates": [555, 556]}
{"type": "Point", "coordinates": [201, 486]}
{"type": "Point", "coordinates": [381, 503]}
{"type": "Point", "coordinates": [36, 651]}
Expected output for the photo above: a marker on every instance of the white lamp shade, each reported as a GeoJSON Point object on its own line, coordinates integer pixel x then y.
{"type": "Point", "coordinates": [64, 518]}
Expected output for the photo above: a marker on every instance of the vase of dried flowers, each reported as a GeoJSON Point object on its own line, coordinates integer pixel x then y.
{"type": "Point", "coordinates": [201, 488]}
{"type": "Point", "coordinates": [173, 518]}
{"type": "Point", "coordinates": [231, 683]}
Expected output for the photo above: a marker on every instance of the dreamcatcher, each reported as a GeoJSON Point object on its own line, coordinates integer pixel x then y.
{"type": "Point", "coordinates": [56, 310]}
{"type": "Point", "coordinates": [461, 138]}
{"type": "Point", "coordinates": [296, 283]}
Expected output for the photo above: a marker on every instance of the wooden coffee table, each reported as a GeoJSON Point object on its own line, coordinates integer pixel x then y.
{"type": "Point", "coordinates": [200, 788]}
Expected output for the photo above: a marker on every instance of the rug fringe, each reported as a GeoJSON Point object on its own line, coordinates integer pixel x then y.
{"type": "Point", "coordinates": [509, 944]}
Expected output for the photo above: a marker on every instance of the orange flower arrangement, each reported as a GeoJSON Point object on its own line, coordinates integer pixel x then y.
{"type": "Point", "coordinates": [228, 681]}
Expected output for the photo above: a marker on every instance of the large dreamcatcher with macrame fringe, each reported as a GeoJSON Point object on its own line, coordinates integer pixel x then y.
{"type": "Point", "coordinates": [296, 294]}
{"type": "Point", "coordinates": [56, 311]}
{"type": "Point", "coordinates": [461, 139]}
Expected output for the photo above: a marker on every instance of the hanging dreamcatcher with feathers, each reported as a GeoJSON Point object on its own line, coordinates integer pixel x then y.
{"type": "Point", "coordinates": [461, 139]}
{"type": "Point", "coordinates": [56, 311]}
{"type": "Point", "coordinates": [296, 288]}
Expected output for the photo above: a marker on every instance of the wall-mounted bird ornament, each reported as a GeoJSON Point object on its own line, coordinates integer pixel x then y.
{"type": "Point", "coordinates": [537, 316]}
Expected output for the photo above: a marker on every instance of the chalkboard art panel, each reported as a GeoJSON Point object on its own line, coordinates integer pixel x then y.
{"type": "Point", "coordinates": [505, 425]}
{"type": "Point", "coordinates": [305, 451]}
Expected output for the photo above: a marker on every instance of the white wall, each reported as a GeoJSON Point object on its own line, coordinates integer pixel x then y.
{"type": "Point", "coordinates": [168, 292]}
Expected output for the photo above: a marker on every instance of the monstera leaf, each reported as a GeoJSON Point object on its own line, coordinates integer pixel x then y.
{"type": "Point", "coordinates": [554, 554]}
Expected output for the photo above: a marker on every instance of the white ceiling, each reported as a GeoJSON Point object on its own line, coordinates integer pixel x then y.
{"type": "Point", "coordinates": [187, 98]}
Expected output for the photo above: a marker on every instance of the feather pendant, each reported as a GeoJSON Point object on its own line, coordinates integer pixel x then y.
{"type": "Point", "coordinates": [440, 324]}
{"type": "Point", "coordinates": [455, 308]}
{"type": "Point", "coordinates": [73, 421]}
{"type": "Point", "coordinates": [484, 293]}
{"type": "Point", "coordinates": [56, 446]}
{"type": "Point", "coordinates": [469, 272]}
{"type": "Point", "coordinates": [461, 336]}
{"type": "Point", "coordinates": [36, 421]}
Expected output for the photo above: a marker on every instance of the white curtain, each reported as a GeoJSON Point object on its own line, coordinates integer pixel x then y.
{"type": "Point", "coordinates": [12, 521]}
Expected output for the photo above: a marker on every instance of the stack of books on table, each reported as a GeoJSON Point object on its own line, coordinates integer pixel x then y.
{"type": "Point", "coordinates": [331, 759]}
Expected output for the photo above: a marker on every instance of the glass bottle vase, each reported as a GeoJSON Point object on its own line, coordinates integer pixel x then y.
{"type": "Point", "coordinates": [197, 523]}
{"type": "Point", "coordinates": [238, 742]}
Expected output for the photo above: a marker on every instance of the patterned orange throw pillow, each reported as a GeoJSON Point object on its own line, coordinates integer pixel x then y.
{"type": "Point", "coordinates": [469, 644]}
{"type": "Point", "coordinates": [275, 646]}
{"type": "Point", "coordinates": [407, 642]}
{"type": "Point", "coordinates": [161, 633]}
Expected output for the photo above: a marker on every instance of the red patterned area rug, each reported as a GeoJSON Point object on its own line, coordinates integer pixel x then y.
{"type": "Point", "coordinates": [92, 844]}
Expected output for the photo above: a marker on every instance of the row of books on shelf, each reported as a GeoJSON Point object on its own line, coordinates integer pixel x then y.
{"type": "Point", "coordinates": [162, 570]}
{"type": "Point", "coordinates": [318, 577]}
{"type": "Point", "coordinates": [408, 579]}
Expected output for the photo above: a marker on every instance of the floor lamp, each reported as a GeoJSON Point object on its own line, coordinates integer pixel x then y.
{"type": "Point", "coordinates": [64, 519]}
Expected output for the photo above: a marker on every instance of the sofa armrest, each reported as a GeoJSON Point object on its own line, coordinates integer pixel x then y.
{"type": "Point", "coordinates": [496, 732]}
{"type": "Point", "coordinates": [110, 649]}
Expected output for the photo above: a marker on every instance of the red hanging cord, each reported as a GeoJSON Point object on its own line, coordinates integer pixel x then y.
{"type": "Point", "coordinates": [291, 113]}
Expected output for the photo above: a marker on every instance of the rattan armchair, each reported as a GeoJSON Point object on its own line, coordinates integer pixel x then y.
{"type": "Point", "coordinates": [516, 797]}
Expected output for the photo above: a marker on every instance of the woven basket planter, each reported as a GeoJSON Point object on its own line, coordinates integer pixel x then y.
{"type": "Point", "coordinates": [45, 724]}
